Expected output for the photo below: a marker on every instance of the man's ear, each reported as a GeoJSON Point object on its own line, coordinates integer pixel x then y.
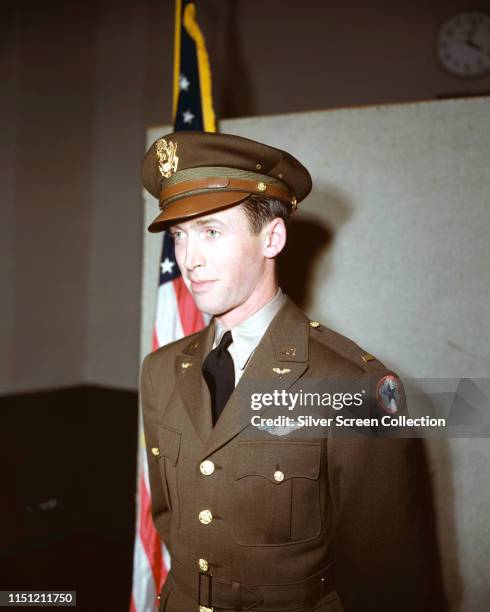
{"type": "Point", "coordinates": [274, 237]}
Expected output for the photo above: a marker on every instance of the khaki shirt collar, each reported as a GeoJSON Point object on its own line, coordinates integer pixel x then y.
{"type": "Point", "coordinates": [247, 335]}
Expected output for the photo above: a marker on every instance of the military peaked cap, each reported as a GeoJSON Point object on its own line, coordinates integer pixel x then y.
{"type": "Point", "coordinates": [191, 173]}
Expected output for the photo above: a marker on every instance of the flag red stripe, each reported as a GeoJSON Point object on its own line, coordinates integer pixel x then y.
{"type": "Point", "coordinates": [155, 343]}
{"type": "Point", "coordinates": [150, 538]}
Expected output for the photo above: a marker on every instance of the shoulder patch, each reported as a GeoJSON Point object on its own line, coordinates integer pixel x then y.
{"type": "Point", "coordinates": [389, 393]}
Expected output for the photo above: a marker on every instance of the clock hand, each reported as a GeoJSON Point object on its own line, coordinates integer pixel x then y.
{"type": "Point", "coordinates": [473, 45]}
{"type": "Point", "coordinates": [469, 39]}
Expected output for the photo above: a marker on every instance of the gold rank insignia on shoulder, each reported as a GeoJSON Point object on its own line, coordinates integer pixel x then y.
{"type": "Point", "coordinates": [314, 324]}
{"type": "Point", "coordinates": [167, 157]}
{"type": "Point", "coordinates": [367, 357]}
{"type": "Point", "coordinates": [186, 364]}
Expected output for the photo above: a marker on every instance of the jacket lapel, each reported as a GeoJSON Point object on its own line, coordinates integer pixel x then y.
{"type": "Point", "coordinates": [191, 384]}
{"type": "Point", "coordinates": [278, 361]}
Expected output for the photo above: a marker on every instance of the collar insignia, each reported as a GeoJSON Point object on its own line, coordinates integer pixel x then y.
{"type": "Point", "coordinates": [289, 351]}
{"type": "Point", "coordinates": [281, 371]}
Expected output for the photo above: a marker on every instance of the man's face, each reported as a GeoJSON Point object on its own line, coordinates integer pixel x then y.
{"type": "Point", "coordinates": [221, 261]}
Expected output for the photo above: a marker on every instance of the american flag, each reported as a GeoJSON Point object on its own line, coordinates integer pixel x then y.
{"type": "Point", "coordinates": [176, 313]}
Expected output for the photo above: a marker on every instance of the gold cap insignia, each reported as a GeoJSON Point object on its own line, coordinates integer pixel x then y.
{"type": "Point", "coordinates": [314, 324]}
{"type": "Point", "coordinates": [167, 157]}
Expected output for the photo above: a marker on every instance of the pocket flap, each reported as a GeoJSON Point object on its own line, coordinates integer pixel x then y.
{"type": "Point", "coordinates": [278, 461]}
{"type": "Point", "coordinates": [169, 443]}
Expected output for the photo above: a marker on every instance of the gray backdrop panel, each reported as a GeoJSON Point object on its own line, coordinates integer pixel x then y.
{"type": "Point", "coordinates": [401, 195]}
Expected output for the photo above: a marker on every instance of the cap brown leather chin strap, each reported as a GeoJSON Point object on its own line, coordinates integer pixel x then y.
{"type": "Point", "coordinates": [226, 184]}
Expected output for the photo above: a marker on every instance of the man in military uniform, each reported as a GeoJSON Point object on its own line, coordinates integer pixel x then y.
{"type": "Point", "coordinates": [275, 523]}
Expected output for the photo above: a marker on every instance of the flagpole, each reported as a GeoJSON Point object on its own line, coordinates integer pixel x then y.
{"type": "Point", "coordinates": [177, 27]}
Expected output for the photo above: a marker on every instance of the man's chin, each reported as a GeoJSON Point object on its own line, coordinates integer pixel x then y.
{"type": "Point", "coordinates": [206, 305]}
{"type": "Point", "coordinates": [210, 307]}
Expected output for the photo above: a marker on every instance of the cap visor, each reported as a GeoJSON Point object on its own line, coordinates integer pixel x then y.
{"type": "Point", "coordinates": [194, 206]}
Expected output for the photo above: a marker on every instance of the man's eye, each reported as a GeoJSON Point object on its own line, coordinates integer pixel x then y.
{"type": "Point", "coordinates": [212, 233]}
{"type": "Point", "coordinates": [177, 235]}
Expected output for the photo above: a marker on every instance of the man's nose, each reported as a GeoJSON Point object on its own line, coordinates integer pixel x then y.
{"type": "Point", "coordinates": [193, 255]}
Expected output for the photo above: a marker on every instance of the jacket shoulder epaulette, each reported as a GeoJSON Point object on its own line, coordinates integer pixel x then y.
{"type": "Point", "coordinates": [173, 348]}
{"type": "Point", "coordinates": [386, 387]}
{"type": "Point", "coordinates": [345, 348]}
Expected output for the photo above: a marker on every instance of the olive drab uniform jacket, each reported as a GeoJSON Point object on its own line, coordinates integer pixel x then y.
{"type": "Point", "coordinates": [278, 524]}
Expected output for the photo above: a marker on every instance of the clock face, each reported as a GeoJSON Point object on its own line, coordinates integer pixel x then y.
{"type": "Point", "coordinates": [463, 44]}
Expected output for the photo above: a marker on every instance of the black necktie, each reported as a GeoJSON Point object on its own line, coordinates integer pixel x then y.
{"type": "Point", "coordinates": [219, 374]}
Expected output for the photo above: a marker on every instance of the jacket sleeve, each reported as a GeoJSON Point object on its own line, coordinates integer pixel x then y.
{"type": "Point", "coordinates": [385, 549]}
{"type": "Point", "coordinates": [159, 507]}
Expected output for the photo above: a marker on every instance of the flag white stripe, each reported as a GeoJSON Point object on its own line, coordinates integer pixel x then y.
{"type": "Point", "coordinates": [144, 591]}
{"type": "Point", "coordinates": [167, 323]}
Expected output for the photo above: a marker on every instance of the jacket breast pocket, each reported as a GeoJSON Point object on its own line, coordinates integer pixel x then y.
{"type": "Point", "coordinates": [169, 445]}
{"type": "Point", "coordinates": [277, 493]}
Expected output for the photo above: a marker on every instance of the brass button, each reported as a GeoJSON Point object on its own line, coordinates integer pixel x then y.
{"type": "Point", "coordinates": [203, 565]}
{"type": "Point", "coordinates": [278, 476]}
{"type": "Point", "coordinates": [205, 517]}
{"type": "Point", "coordinates": [155, 451]}
{"type": "Point", "coordinates": [314, 324]}
{"type": "Point", "coordinates": [258, 166]}
{"type": "Point", "coordinates": [207, 467]}
{"type": "Point", "coordinates": [261, 186]}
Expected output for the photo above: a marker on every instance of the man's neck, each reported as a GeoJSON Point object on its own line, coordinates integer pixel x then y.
{"type": "Point", "coordinates": [260, 297]}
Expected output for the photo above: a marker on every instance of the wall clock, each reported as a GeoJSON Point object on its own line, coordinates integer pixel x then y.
{"type": "Point", "coordinates": [463, 44]}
